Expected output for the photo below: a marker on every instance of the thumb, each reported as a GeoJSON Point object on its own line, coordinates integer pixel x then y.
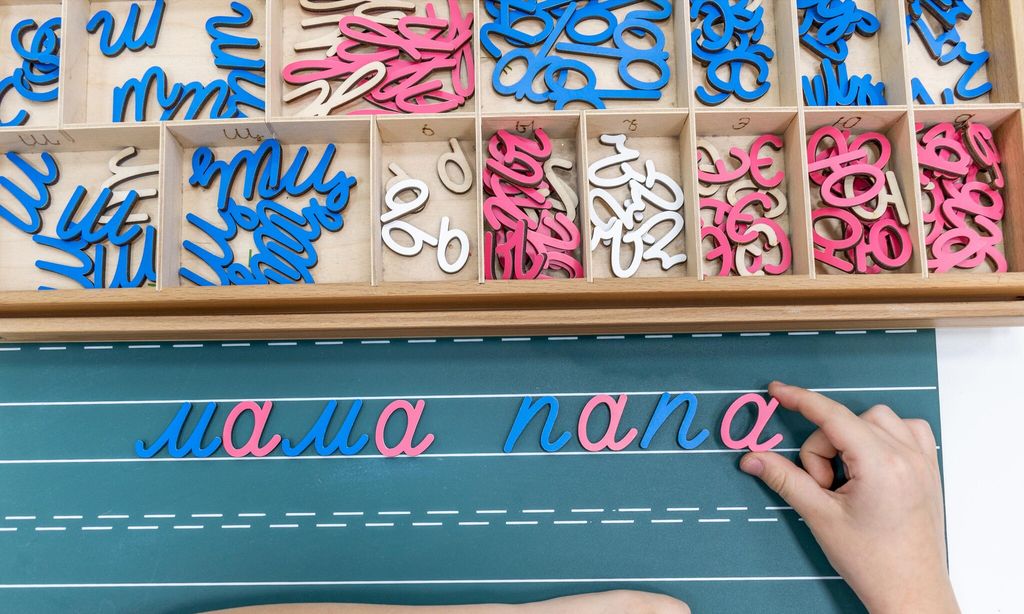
{"type": "Point", "coordinates": [790, 482]}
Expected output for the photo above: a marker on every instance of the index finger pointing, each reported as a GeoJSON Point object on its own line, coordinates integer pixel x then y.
{"type": "Point", "coordinates": [840, 425]}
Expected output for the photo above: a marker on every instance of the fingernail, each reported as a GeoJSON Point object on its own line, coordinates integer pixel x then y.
{"type": "Point", "coordinates": [752, 465]}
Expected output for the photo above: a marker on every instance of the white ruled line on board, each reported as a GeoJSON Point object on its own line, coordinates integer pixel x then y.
{"type": "Point", "coordinates": [381, 523]}
{"type": "Point", "coordinates": [514, 339]}
{"type": "Point", "coordinates": [386, 341]}
{"type": "Point", "coordinates": [52, 348]}
{"type": "Point", "coordinates": [665, 580]}
{"type": "Point", "coordinates": [498, 395]}
{"type": "Point", "coordinates": [478, 522]}
{"type": "Point", "coordinates": [509, 455]}
{"type": "Point", "coordinates": [235, 345]}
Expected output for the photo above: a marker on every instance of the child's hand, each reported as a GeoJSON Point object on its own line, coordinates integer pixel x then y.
{"type": "Point", "coordinates": [611, 602]}
{"type": "Point", "coordinates": [883, 530]}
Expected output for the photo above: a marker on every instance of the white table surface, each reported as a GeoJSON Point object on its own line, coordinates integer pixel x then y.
{"type": "Point", "coordinates": [982, 421]}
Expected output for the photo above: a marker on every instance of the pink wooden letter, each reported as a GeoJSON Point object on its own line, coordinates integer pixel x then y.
{"type": "Point", "coordinates": [615, 408]}
{"type": "Point", "coordinates": [406, 446]}
{"type": "Point", "coordinates": [764, 413]}
{"type": "Point", "coordinates": [261, 413]}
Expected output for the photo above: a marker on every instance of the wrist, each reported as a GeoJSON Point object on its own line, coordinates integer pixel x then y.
{"type": "Point", "coordinates": [933, 598]}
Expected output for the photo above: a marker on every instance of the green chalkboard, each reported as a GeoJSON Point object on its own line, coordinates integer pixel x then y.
{"type": "Point", "coordinates": [88, 526]}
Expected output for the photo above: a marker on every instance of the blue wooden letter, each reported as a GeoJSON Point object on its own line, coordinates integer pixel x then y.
{"type": "Point", "coordinates": [667, 405]}
{"type": "Point", "coordinates": [318, 434]}
{"type": "Point", "coordinates": [528, 409]}
{"type": "Point", "coordinates": [171, 437]}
